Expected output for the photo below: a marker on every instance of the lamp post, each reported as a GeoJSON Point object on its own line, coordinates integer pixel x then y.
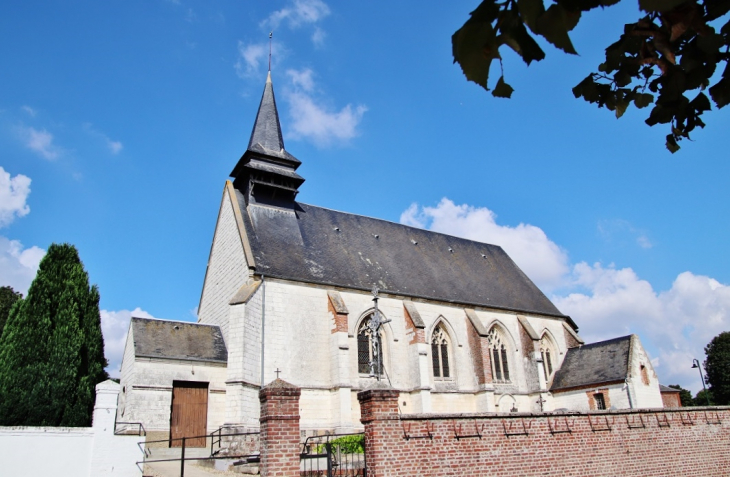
{"type": "Point", "coordinates": [696, 364]}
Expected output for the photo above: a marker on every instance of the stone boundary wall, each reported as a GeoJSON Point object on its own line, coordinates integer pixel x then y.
{"type": "Point", "coordinates": [661, 442]}
{"type": "Point", "coordinates": [73, 452]}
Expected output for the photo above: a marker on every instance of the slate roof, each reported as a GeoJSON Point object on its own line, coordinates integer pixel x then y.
{"type": "Point", "coordinates": [593, 364]}
{"type": "Point", "coordinates": [667, 389]}
{"type": "Point", "coordinates": [266, 135]}
{"type": "Point", "coordinates": [317, 245]}
{"type": "Point", "coordinates": [178, 340]}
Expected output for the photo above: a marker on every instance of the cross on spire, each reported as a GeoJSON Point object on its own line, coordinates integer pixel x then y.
{"type": "Point", "coordinates": [277, 373]}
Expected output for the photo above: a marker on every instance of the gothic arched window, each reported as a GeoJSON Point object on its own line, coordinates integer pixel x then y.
{"type": "Point", "coordinates": [365, 352]}
{"type": "Point", "coordinates": [440, 353]}
{"type": "Point", "coordinates": [547, 351]}
{"type": "Point", "coordinates": [500, 363]}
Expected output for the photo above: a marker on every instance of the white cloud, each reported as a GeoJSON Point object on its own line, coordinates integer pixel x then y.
{"type": "Point", "coordinates": [674, 325]}
{"type": "Point", "coordinates": [14, 193]}
{"type": "Point", "coordinates": [312, 120]}
{"type": "Point", "coordinates": [678, 323]}
{"type": "Point", "coordinates": [40, 142]}
{"type": "Point", "coordinates": [539, 257]}
{"type": "Point", "coordinates": [114, 327]}
{"type": "Point", "coordinates": [29, 111]}
{"type": "Point", "coordinates": [297, 13]}
{"type": "Point", "coordinates": [114, 146]}
{"type": "Point", "coordinates": [318, 37]}
{"type": "Point", "coordinates": [623, 232]}
{"type": "Point", "coordinates": [250, 57]}
{"type": "Point", "coordinates": [18, 265]}
{"type": "Point", "coordinates": [303, 79]}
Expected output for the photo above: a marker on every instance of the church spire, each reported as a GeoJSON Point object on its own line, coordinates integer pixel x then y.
{"type": "Point", "coordinates": [266, 165]}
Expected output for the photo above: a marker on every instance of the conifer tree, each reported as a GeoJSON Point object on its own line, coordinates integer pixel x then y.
{"type": "Point", "coordinates": [52, 350]}
{"type": "Point", "coordinates": [8, 297]}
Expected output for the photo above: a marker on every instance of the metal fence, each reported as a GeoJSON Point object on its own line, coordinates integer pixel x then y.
{"type": "Point", "coordinates": [336, 455]}
{"type": "Point", "coordinates": [179, 450]}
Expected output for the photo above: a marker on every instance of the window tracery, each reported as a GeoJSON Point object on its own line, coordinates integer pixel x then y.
{"type": "Point", "coordinates": [547, 351]}
{"type": "Point", "coordinates": [500, 363]}
{"type": "Point", "coordinates": [440, 353]}
{"type": "Point", "coordinates": [365, 349]}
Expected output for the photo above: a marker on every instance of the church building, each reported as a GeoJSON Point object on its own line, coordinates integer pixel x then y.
{"type": "Point", "coordinates": [290, 291]}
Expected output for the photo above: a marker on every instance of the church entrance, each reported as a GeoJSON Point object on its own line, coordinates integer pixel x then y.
{"type": "Point", "coordinates": [189, 413]}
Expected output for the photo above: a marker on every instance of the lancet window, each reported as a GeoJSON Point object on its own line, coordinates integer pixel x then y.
{"type": "Point", "coordinates": [547, 351]}
{"type": "Point", "coordinates": [365, 352]}
{"type": "Point", "coordinates": [440, 353]}
{"type": "Point", "coordinates": [498, 349]}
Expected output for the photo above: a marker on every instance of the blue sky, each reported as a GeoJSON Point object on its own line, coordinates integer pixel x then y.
{"type": "Point", "coordinates": [120, 122]}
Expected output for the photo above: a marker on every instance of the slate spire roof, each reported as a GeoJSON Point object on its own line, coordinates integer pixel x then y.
{"type": "Point", "coordinates": [265, 161]}
{"type": "Point", "coordinates": [266, 136]}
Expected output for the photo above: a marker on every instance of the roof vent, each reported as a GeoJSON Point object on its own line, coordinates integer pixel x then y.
{"type": "Point", "coordinates": [336, 229]}
{"type": "Point", "coordinates": [451, 250]}
{"type": "Point", "coordinates": [176, 327]}
{"type": "Point", "coordinates": [414, 242]}
{"type": "Point", "coordinates": [376, 236]}
{"type": "Point", "coordinates": [484, 256]}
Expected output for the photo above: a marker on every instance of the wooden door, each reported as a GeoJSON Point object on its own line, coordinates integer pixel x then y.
{"type": "Point", "coordinates": [189, 413]}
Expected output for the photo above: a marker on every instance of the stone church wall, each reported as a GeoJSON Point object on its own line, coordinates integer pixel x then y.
{"type": "Point", "coordinates": [227, 269]}
{"type": "Point", "coordinates": [147, 391]}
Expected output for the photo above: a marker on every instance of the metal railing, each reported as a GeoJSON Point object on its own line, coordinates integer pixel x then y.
{"type": "Point", "coordinates": [334, 455]}
{"type": "Point", "coordinates": [148, 450]}
{"type": "Point", "coordinates": [122, 428]}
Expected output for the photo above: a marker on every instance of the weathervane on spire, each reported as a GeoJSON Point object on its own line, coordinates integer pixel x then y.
{"type": "Point", "coordinates": [271, 34]}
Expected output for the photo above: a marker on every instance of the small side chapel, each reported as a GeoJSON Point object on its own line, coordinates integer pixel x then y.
{"type": "Point", "coordinates": [289, 292]}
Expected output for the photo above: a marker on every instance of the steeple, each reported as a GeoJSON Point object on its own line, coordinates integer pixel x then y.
{"type": "Point", "coordinates": [266, 169]}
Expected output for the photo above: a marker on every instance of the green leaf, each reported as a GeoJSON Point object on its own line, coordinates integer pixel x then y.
{"type": "Point", "coordinates": [555, 24]}
{"type": "Point", "coordinates": [671, 144]}
{"type": "Point", "coordinates": [701, 103]}
{"type": "Point", "coordinates": [530, 10]}
{"type": "Point", "coordinates": [643, 100]}
{"type": "Point", "coordinates": [659, 5]}
{"type": "Point", "coordinates": [720, 92]}
{"type": "Point", "coordinates": [621, 105]}
{"type": "Point", "coordinates": [502, 90]}
{"type": "Point", "coordinates": [524, 45]}
{"type": "Point", "coordinates": [474, 47]}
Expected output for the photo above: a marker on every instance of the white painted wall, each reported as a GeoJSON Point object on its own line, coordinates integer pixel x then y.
{"type": "Point", "coordinates": [147, 390]}
{"type": "Point", "coordinates": [73, 452]}
{"type": "Point", "coordinates": [227, 269]}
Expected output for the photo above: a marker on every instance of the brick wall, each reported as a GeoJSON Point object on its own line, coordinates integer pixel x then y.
{"type": "Point", "coordinates": [629, 443]}
{"type": "Point", "coordinates": [279, 438]}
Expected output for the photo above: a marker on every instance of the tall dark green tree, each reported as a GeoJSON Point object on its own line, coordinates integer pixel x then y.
{"type": "Point", "coordinates": [52, 350]}
{"type": "Point", "coordinates": [8, 297]}
{"type": "Point", "coordinates": [717, 367]}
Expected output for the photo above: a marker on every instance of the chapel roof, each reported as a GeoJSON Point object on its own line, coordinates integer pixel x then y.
{"type": "Point", "coordinates": [593, 364]}
{"type": "Point", "coordinates": [318, 245]}
{"type": "Point", "coordinates": [178, 340]}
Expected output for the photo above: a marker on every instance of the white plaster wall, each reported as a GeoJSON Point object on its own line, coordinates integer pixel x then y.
{"type": "Point", "coordinates": [577, 400]}
{"type": "Point", "coordinates": [300, 343]}
{"type": "Point", "coordinates": [643, 395]}
{"type": "Point", "coordinates": [297, 334]}
{"type": "Point", "coordinates": [227, 269]}
{"type": "Point", "coordinates": [244, 360]}
{"type": "Point", "coordinates": [65, 451]}
{"type": "Point", "coordinates": [126, 373]}
{"type": "Point", "coordinates": [73, 451]}
{"type": "Point", "coordinates": [149, 391]}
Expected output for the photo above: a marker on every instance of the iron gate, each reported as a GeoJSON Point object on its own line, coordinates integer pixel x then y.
{"type": "Point", "coordinates": [337, 455]}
